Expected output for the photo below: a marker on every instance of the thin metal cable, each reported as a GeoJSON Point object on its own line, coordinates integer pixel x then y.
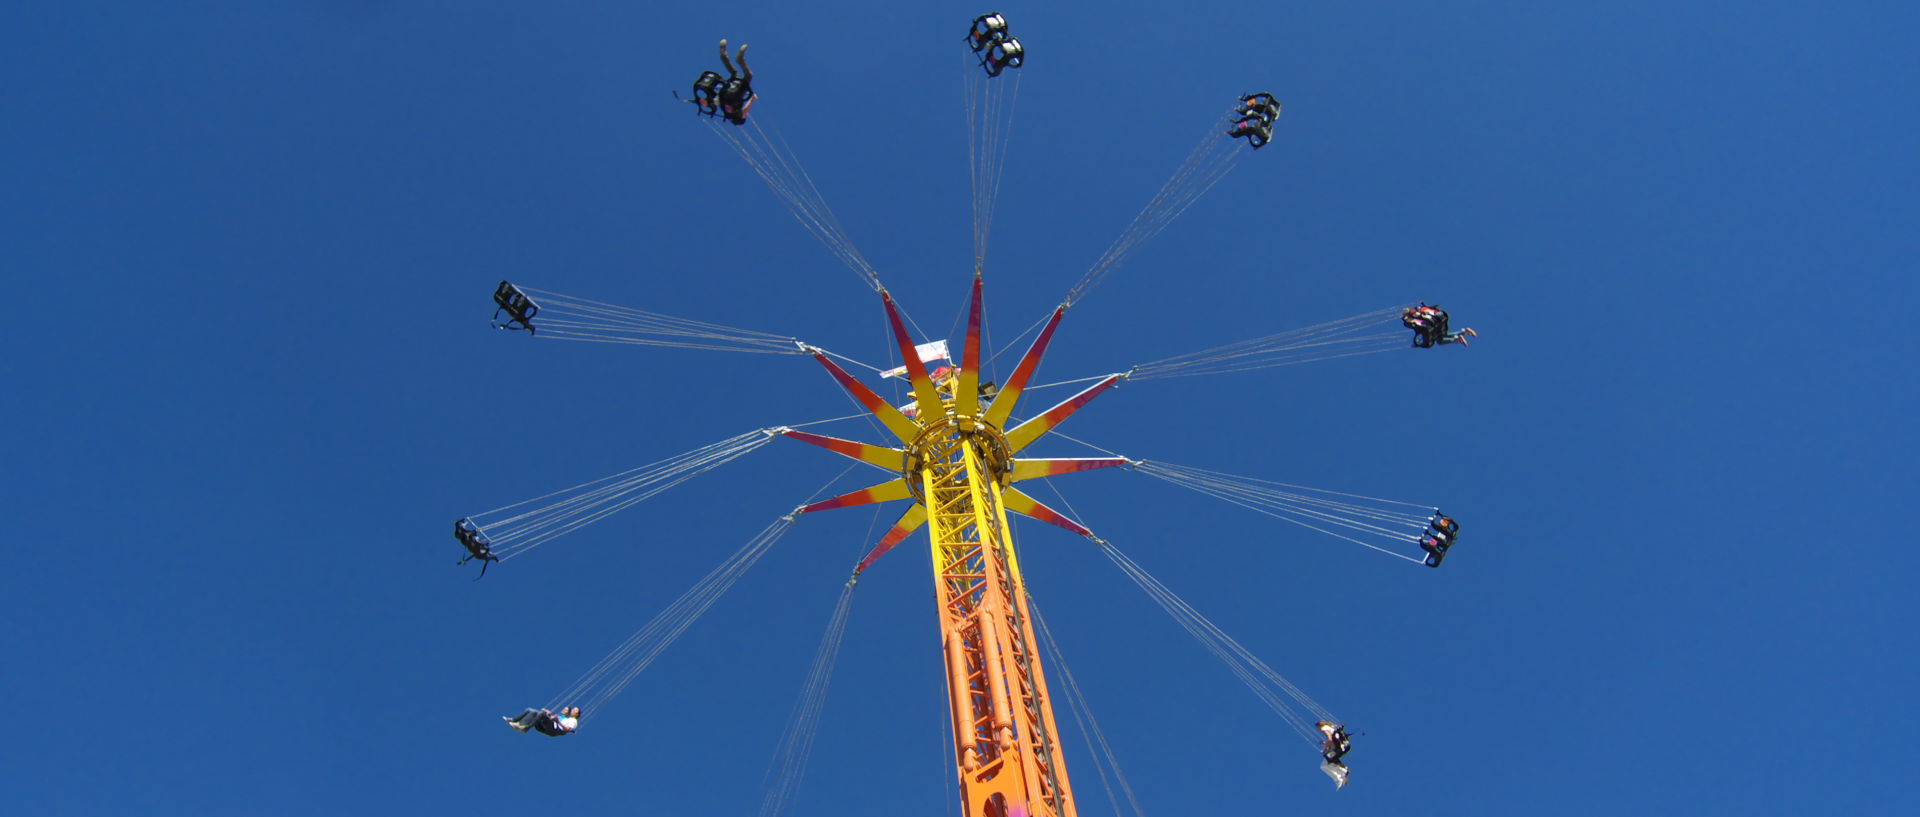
{"type": "Point", "coordinates": [1017, 338]}
{"type": "Point", "coordinates": [1069, 382]}
{"type": "Point", "coordinates": [990, 107]}
{"type": "Point", "coordinates": [592, 501]}
{"type": "Point", "coordinates": [1254, 673]}
{"type": "Point", "coordinates": [1241, 661]}
{"type": "Point", "coordinates": [612, 674]}
{"type": "Point", "coordinates": [1223, 475]}
{"type": "Point", "coordinates": [1089, 727]}
{"type": "Point", "coordinates": [568, 317]}
{"type": "Point", "coordinates": [784, 774]}
{"type": "Point", "coordinates": [833, 420]}
{"type": "Point", "coordinates": [619, 669]}
{"type": "Point", "coordinates": [776, 165]}
{"type": "Point", "coordinates": [1298, 509]}
{"type": "Point", "coordinates": [1209, 162]}
{"type": "Point", "coordinates": [1346, 337]}
{"type": "Point", "coordinates": [1057, 433]}
{"type": "Point", "coordinates": [850, 360]}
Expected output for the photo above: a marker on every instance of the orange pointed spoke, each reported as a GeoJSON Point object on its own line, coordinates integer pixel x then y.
{"type": "Point", "coordinates": [924, 394]}
{"type": "Point", "coordinates": [1017, 501]}
{"type": "Point", "coordinates": [888, 415]}
{"type": "Point", "coordinates": [909, 522]}
{"type": "Point", "coordinates": [1002, 407]}
{"type": "Point", "coordinates": [875, 455]}
{"type": "Point", "coordinates": [1033, 429]}
{"type": "Point", "coordinates": [884, 492]}
{"type": "Point", "coordinates": [966, 394]}
{"type": "Point", "coordinates": [1034, 469]}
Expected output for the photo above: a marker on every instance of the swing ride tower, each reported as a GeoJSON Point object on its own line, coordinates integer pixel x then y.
{"type": "Point", "coordinates": [959, 467]}
{"type": "Point", "coordinates": [955, 461]}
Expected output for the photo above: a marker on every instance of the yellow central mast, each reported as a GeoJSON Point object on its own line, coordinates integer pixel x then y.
{"type": "Point", "coordinates": [1006, 742]}
{"type": "Point", "coordinates": [959, 466]}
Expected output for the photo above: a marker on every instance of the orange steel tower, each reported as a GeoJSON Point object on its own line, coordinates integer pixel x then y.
{"type": "Point", "coordinates": [959, 467]}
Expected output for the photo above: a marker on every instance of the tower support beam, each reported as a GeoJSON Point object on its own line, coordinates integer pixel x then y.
{"type": "Point", "coordinates": [1007, 750]}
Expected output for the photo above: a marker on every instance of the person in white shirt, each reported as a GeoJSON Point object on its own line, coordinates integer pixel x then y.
{"type": "Point", "coordinates": [1333, 749]}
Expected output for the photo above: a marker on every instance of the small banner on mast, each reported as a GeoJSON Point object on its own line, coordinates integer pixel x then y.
{"type": "Point", "coordinates": [928, 353]}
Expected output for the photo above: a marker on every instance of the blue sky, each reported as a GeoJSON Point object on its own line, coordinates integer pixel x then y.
{"type": "Point", "coordinates": [249, 249]}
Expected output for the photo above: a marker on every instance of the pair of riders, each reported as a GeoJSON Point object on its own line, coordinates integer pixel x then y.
{"type": "Point", "coordinates": [1254, 119]}
{"type": "Point", "coordinates": [997, 48]}
{"type": "Point", "coordinates": [729, 97]}
{"type": "Point", "coordinates": [545, 722]}
{"type": "Point", "coordinates": [1429, 325]}
{"type": "Point", "coordinates": [1438, 537]}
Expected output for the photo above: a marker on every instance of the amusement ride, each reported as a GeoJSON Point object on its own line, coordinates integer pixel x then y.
{"type": "Point", "coordinates": [956, 456]}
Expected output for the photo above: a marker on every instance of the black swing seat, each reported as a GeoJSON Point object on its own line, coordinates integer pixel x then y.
{"type": "Point", "coordinates": [1003, 54]}
{"type": "Point", "coordinates": [1338, 742]}
{"type": "Point", "coordinates": [987, 28]}
{"type": "Point", "coordinates": [1260, 100]}
{"type": "Point", "coordinates": [1256, 135]}
{"type": "Point", "coordinates": [520, 309]}
{"type": "Point", "coordinates": [1262, 105]}
{"type": "Point", "coordinates": [1443, 532]}
{"type": "Point", "coordinates": [706, 93]}
{"type": "Point", "coordinates": [477, 544]}
{"type": "Point", "coordinates": [733, 97]}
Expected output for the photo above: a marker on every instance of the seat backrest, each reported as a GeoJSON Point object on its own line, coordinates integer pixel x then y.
{"type": "Point", "coordinates": [1004, 54]}
{"type": "Point", "coordinates": [707, 86]}
{"type": "Point", "coordinates": [986, 29]}
{"type": "Point", "coordinates": [519, 308]}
